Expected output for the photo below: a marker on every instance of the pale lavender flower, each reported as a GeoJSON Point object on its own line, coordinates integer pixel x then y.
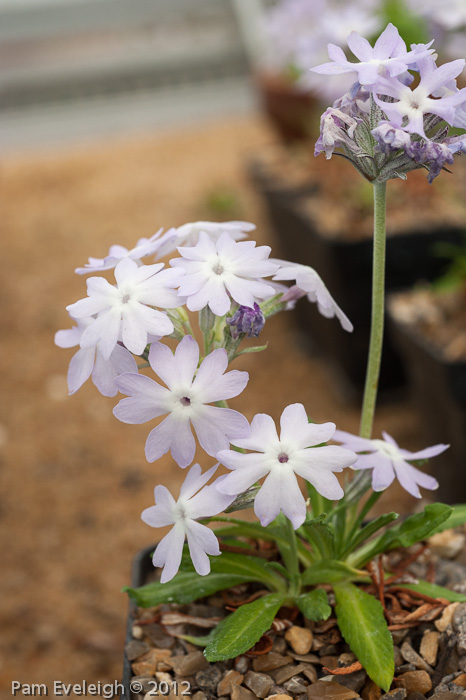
{"type": "Point", "coordinates": [185, 400]}
{"type": "Point", "coordinates": [124, 312]}
{"type": "Point", "coordinates": [89, 361]}
{"type": "Point", "coordinates": [389, 56]}
{"type": "Point", "coordinates": [435, 155]}
{"type": "Point", "coordinates": [195, 501]}
{"type": "Point", "coordinates": [143, 248]}
{"type": "Point", "coordinates": [391, 138]}
{"type": "Point", "coordinates": [188, 234]}
{"type": "Point", "coordinates": [411, 105]}
{"type": "Point", "coordinates": [281, 459]}
{"type": "Point", "coordinates": [246, 320]}
{"type": "Point", "coordinates": [217, 271]}
{"type": "Point", "coordinates": [311, 285]}
{"type": "Point", "coordinates": [336, 130]}
{"type": "Point", "coordinates": [389, 461]}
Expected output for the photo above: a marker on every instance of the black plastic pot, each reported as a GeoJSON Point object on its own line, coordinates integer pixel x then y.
{"type": "Point", "coordinates": [439, 391]}
{"type": "Point", "coordinates": [141, 568]}
{"type": "Point", "coordinates": [346, 269]}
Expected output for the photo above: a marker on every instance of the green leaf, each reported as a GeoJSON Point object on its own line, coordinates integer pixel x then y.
{"type": "Point", "coordinates": [361, 620]}
{"type": "Point", "coordinates": [434, 591]}
{"type": "Point", "coordinates": [456, 518]}
{"type": "Point", "coordinates": [314, 605]}
{"type": "Point", "coordinates": [247, 530]}
{"type": "Point", "coordinates": [414, 529]}
{"type": "Point", "coordinates": [330, 571]}
{"type": "Point", "coordinates": [252, 568]}
{"type": "Point", "coordinates": [370, 529]}
{"type": "Point", "coordinates": [183, 588]}
{"type": "Point", "coordinates": [198, 641]}
{"type": "Point", "coordinates": [319, 535]}
{"type": "Point", "coordinates": [242, 629]}
{"type": "Point", "coordinates": [254, 348]}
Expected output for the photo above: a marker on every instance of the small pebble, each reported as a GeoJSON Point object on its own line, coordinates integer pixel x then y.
{"type": "Point", "coordinates": [134, 649]}
{"type": "Point", "coordinates": [299, 639]}
{"type": "Point", "coordinates": [269, 662]}
{"type": "Point", "coordinates": [429, 646]}
{"type": "Point", "coordinates": [416, 681]}
{"type": "Point", "coordinates": [295, 686]}
{"type": "Point", "coordinates": [229, 679]}
{"type": "Point", "coordinates": [208, 678]}
{"type": "Point", "coordinates": [447, 544]}
{"type": "Point", "coordinates": [446, 618]}
{"type": "Point", "coordinates": [137, 632]}
{"type": "Point", "coordinates": [143, 668]}
{"type": "Point", "coordinates": [371, 691]}
{"type": "Point", "coordinates": [328, 690]}
{"type": "Point", "coordinates": [284, 674]}
{"type": "Point", "coordinates": [259, 683]}
{"type": "Point", "coordinates": [395, 694]}
{"type": "Point", "coordinates": [189, 664]}
{"type": "Point", "coordinates": [461, 680]}
{"type": "Point", "coordinates": [240, 693]}
{"type": "Point", "coordinates": [413, 657]}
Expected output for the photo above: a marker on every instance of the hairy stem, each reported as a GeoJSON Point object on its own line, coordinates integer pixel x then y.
{"type": "Point", "coordinates": [377, 320]}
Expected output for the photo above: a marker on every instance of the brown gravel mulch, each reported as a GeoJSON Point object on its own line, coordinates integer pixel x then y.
{"type": "Point", "coordinates": [73, 479]}
{"type": "Point", "coordinates": [308, 660]}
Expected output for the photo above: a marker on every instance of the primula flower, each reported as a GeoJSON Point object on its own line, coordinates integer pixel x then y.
{"type": "Point", "coordinates": [89, 361]}
{"type": "Point", "coordinates": [246, 320]}
{"type": "Point", "coordinates": [194, 502]}
{"type": "Point", "coordinates": [389, 461]}
{"type": "Point", "coordinates": [185, 400]}
{"type": "Point", "coordinates": [389, 56]}
{"type": "Point", "coordinates": [411, 105]}
{"type": "Point", "coordinates": [310, 284]}
{"type": "Point", "coordinates": [281, 459]}
{"type": "Point", "coordinates": [124, 311]}
{"type": "Point", "coordinates": [336, 131]}
{"type": "Point", "coordinates": [188, 234]}
{"type": "Point", "coordinates": [216, 271]}
{"type": "Point", "coordinates": [143, 248]}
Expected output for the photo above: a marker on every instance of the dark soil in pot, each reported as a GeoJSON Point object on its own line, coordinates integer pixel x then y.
{"type": "Point", "coordinates": [291, 660]}
{"type": "Point", "coordinates": [321, 212]}
{"type": "Point", "coordinates": [430, 331]}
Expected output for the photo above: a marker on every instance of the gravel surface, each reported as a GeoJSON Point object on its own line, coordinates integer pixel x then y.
{"type": "Point", "coordinates": [75, 480]}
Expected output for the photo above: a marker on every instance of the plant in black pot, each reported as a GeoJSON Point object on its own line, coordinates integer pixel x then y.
{"type": "Point", "coordinates": [428, 324]}
{"type": "Point", "coordinates": [312, 562]}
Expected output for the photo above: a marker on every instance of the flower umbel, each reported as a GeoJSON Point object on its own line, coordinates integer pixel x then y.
{"type": "Point", "coordinates": [185, 400]}
{"type": "Point", "coordinates": [389, 461]}
{"type": "Point", "coordinates": [195, 501]}
{"type": "Point", "coordinates": [281, 459]}
{"type": "Point", "coordinates": [385, 127]}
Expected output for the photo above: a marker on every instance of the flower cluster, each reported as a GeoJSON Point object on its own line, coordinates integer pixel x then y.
{"type": "Point", "coordinates": [389, 123]}
{"type": "Point", "coordinates": [223, 278]}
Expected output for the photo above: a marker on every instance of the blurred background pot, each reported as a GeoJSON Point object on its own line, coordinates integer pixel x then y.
{"type": "Point", "coordinates": [336, 240]}
{"type": "Point", "coordinates": [437, 380]}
